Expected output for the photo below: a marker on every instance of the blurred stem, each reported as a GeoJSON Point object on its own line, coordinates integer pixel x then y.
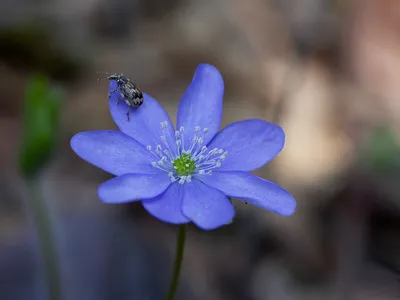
{"type": "Point", "coordinates": [180, 246]}
{"type": "Point", "coordinates": [42, 219]}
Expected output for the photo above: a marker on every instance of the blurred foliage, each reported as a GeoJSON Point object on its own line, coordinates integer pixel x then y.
{"type": "Point", "coordinates": [29, 46]}
{"type": "Point", "coordinates": [381, 154]}
{"type": "Point", "coordinates": [42, 106]}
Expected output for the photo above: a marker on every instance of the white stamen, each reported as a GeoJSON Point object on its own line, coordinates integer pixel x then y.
{"type": "Point", "coordinates": [172, 147]}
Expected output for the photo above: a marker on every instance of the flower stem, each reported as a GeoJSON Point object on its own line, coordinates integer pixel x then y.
{"type": "Point", "coordinates": [180, 246]}
{"type": "Point", "coordinates": [42, 219]}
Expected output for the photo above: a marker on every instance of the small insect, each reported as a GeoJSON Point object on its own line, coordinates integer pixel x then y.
{"type": "Point", "coordinates": [128, 90]}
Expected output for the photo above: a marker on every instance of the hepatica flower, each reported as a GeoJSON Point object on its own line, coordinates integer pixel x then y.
{"type": "Point", "coordinates": [186, 174]}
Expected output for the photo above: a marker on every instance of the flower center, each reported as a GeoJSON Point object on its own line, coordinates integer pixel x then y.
{"type": "Point", "coordinates": [182, 163]}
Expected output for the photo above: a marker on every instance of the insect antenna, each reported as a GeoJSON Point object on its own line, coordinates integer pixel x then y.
{"type": "Point", "coordinates": [102, 73]}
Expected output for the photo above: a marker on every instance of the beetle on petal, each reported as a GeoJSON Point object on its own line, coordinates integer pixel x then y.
{"type": "Point", "coordinates": [128, 91]}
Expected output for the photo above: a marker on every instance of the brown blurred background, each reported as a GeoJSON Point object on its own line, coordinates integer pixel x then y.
{"type": "Point", "coordinates": [326, 71]}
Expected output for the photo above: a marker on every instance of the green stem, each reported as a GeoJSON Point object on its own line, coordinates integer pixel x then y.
{"type": "Point", "coordinates": [180, 246]}
{"type": "Point", "coordinates": [42, 219]}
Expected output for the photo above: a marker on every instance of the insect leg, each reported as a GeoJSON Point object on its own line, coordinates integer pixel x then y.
{"type": "Point", "coordinates": [118, 99]}
{"type": "Point", "coordinates": [128, 113]}
{"type": "Point", "coordinates": [109, 94]}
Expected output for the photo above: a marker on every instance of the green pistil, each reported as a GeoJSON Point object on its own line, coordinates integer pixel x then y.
{"type": "Point", "coordinates": [184, 165]}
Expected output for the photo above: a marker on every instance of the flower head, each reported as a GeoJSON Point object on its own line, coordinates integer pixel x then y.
{"type": "Point", "coordinates": [186, 174]}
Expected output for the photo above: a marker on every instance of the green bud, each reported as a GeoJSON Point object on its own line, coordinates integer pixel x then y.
{"type": "Point", "coordinates": [41, 114]}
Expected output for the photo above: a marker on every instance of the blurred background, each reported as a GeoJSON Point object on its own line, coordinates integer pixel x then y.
{"type": "Point", "coordinates": [327, 71]}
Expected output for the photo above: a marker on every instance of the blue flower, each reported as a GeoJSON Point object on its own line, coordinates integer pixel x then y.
{"type": "Point", "coordinates": [186, 175]}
